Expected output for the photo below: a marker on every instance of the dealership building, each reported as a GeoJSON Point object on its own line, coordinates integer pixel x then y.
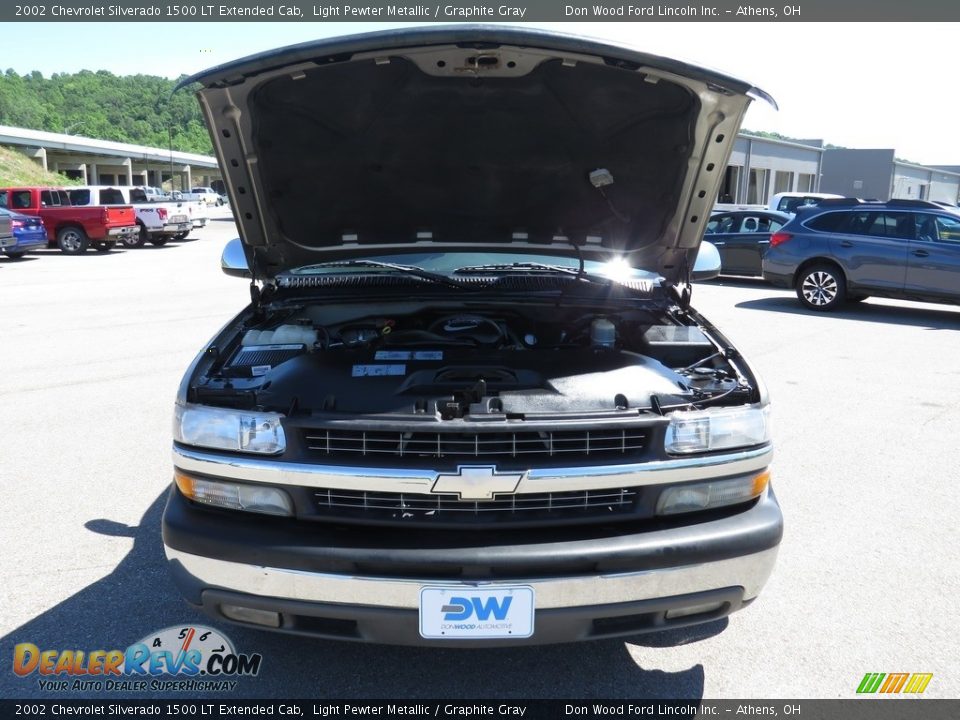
{"type": "Point", "coordinates": [879, 174]}
{"type": "Point", "coordinates": [761, 167]}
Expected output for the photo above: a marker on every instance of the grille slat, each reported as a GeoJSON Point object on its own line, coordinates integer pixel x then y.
{"type": "Point", "coordinates": [518, 507]}
{"type": "Point", "coordinates": [593, 443]}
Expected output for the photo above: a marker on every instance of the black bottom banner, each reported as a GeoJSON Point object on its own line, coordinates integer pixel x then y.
{"type": "Point", "coordinates": [853, 709]}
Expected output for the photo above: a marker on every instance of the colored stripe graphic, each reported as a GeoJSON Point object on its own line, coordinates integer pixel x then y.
{"type": "Point", "coordinates": [894, 683]}
{"type": "Point", "coordinates": [918, 683]}
{"type": "Point", "coordinates": [870, 682]}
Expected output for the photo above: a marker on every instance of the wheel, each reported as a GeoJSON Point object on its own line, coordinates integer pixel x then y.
{"type": "Point", "coordinates": [72, 240]}
{"type": "Point", "coordinates": [159, 241]}
{"type": "Point", "coordinates": [104, 245]}
{"type": "Point", "coordinates": [138, 240]}
{"type": "Point", "coordinates": [182, 236]}
{"type": "Point", "coordinates": [16, 255]}
{"type": "Point", "coordinates": [821, 287]}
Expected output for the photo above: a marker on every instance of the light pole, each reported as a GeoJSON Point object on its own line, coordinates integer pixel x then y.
{"type": "Point", "coordinates": [170, 141]}
{"type": "Point", "coordinates": [165, 99]}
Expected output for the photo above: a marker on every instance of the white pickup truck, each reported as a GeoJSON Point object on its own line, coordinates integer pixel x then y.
{"type": "Point", "coordinates": [158, 222]}
{"type": "Point", "coordinates": [205, 195]}
{"type": "Point", "coordinates": [198, 209]}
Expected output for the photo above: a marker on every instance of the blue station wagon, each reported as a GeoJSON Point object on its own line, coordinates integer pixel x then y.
{"type": "Point", "coordinates": [848, 249]}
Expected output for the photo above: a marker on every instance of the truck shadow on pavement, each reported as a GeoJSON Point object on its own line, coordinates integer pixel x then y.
{"type": "Point", "coordinates": [138, 598]}
{"type": "Point", "coordinates": [931, 318]}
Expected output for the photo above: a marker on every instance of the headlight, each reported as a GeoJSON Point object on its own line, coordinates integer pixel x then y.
{"type": "Point", "coordinates": [717, 429]}
{"type": "Point", "coordinates": [713, 494]}
{"type": "Point", "coordinates": [229, 429]}
{"type": "Point", "coordinates": [233, 496]}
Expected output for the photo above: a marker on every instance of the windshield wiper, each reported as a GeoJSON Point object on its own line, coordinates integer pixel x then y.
{"type": "Point", "coordinates": [535, 266]}
{"type": "Point", "coordinates": [411, 270]}
{"type": "Point", "coordinates": [642, 285]}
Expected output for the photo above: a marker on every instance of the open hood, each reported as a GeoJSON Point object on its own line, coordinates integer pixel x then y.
{"type": "Point", "coordinates": [470, 138]}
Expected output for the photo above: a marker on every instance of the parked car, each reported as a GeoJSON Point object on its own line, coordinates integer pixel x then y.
{"type": "Point", "coordinates": [728, 207]}
{"type": "Point", "coordinates": [198, 210]}
{"type": "Point", "coordinates": [850, 249]}
{"type": "Point", "coordinates": [7, 240]}
{"type": "Point", "coordinates": [742, 238]}
{"type": "Point", "coordinates": [470, 402]}
{"type": "Point", "coordinates": [206, 195]}
{"type": "Point", "coordinates": [790, 202]}
{"type": "Point", "coordinates": [73, 229]}
{"type": "Point", "coordinates": [155, 194]}
{"type": "Point", "coordinates": [25, 233]}
{"type": "Point", "coordinates": [157, 222]}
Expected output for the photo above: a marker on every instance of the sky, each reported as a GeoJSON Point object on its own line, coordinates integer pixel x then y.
{"type": "Point", "coordinates": [869, 85]}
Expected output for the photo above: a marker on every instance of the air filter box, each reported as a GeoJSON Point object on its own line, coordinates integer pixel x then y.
{"type": "Point", "coordinates": [253, 360]}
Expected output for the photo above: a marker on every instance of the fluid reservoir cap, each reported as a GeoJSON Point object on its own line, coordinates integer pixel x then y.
{"type": "Point", "coordinates": [603, 333]}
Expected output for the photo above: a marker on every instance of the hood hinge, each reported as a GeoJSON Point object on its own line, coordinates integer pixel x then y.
{"type": "Point", "coordinates": [260, 296]}
{"type": "Point", "coordinates": [682, 292]}
{"type": "Point", "coordinates": [687, 274]}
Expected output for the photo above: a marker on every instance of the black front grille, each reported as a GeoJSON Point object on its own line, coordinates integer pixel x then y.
{"type": "Point", "coordinates": [580, 505]}
{"type": "Point", "coordinates": [616, 442]}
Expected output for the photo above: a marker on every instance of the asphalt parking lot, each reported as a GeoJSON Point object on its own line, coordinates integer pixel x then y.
{"type": "Point", "coordinates": [867, 469]}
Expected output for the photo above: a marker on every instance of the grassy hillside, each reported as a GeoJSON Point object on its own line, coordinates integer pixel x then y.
{"type": "Point", "coordinates": [17, 169]}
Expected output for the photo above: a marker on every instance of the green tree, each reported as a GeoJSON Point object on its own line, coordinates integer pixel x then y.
{"type": "Point", "coordinates": [135, 109]}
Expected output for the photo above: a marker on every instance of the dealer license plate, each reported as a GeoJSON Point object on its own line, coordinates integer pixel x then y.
{"type": "Point", "coordinates": [465, 612]}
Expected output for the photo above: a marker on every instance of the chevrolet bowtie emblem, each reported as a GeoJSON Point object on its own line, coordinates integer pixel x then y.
{"type": "Point", "coordinates": [477, 483]}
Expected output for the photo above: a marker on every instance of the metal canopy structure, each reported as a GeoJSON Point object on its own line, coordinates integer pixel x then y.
{"type": "Point", "coordinates": [108, 162]}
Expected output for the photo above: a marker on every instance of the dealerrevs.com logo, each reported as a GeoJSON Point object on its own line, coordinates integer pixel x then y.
{"type": "Point", "coordinates": [201, 658]}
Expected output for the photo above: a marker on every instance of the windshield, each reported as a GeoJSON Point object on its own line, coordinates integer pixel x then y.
{"type": "Point", "coordinates": [448, 263]}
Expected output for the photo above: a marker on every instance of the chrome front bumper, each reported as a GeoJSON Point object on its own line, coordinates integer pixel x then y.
{"type": "Point", "coordinates": [749, 572]}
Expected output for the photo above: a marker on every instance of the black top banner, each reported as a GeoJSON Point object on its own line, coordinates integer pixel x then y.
{"type": "Point", "coordinates": [511, 11]}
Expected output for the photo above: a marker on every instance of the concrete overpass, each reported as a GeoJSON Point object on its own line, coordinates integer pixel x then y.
{"type": "Point", "coordinates": [104, 162]}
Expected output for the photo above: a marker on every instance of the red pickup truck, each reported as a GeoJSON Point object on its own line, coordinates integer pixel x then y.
{"type": "Point", "coordinates": [73, 229]}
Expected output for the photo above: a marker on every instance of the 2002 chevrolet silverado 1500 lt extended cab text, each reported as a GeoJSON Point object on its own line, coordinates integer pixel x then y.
{"type": "Point", "coordinates": [73, 229]}
{"type": "Point", "coordinates": [470, 403]}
